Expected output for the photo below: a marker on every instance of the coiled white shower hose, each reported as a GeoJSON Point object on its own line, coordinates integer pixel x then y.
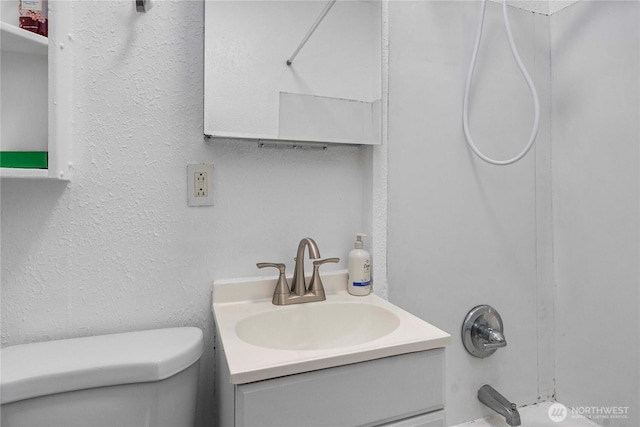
{"type": "Point", "coordinates": [525, 74]}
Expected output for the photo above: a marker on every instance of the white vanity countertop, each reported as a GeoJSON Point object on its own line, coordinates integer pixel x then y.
{"type": "Point", "coordinates": [238, 299]}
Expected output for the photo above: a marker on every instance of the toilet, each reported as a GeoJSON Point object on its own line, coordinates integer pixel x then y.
{"type": "Point", "coordinates": [145, 378]}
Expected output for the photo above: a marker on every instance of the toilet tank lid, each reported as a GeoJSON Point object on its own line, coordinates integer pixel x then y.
{"type": "Point", "coordinates": [43, 368]}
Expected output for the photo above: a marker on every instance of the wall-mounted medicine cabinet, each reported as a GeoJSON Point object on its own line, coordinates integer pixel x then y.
{"type": "Point", "coordinates": [35, 79]}
{"type": "Point", "coordinates": [331, 92]}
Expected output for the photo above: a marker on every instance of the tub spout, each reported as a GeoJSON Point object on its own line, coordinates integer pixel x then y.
{"type": "Point", "coordinates": [494, 400]}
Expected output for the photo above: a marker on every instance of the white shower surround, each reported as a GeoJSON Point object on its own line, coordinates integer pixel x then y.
{"type": "Point", "coordinates": [469, 237]}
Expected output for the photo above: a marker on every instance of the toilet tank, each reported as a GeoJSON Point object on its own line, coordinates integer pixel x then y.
{"type": "Point", "coordinates": [145, 378]}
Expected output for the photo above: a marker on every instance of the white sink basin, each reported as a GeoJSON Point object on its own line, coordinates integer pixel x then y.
{"type": "Point", "coordinates": [317, 326]}
{"type": "Point", "coordinates": [260, 340]}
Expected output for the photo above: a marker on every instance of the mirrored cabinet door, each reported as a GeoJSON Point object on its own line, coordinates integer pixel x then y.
{"type": "Point", "coordinates": [330, 93]}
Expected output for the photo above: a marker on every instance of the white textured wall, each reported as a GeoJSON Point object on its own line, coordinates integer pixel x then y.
{"type": "Point", "coordinates": [117, 248]}
{"type": "Point", "coordinates": [596, 135]}
{"type": "Point", "coordinates": [461, 232]}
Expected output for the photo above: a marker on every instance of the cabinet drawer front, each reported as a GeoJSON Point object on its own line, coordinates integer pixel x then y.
{"type": "Point", "coordinates": [434, 419]}
{"type": "Point", "coordinates": [368, 393]}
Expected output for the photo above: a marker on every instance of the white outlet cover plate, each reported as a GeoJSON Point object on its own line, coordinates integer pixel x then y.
{"type": "Point", "coordinates": [192, 169]}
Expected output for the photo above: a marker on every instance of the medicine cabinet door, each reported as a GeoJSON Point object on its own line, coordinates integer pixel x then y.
{"type": "Point", "coordinates": [330, 93]}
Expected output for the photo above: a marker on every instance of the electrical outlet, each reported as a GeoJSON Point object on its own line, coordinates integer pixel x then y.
{"type": "Point", "coordinates": [201, 188]}
{"type": "Point", "coordinates": [200, 184]}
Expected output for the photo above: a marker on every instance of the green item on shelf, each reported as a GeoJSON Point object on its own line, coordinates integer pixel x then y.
{"type": "Point", "coordinates": [24, 159]}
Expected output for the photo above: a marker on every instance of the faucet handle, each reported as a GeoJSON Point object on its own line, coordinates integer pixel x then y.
{"type": "Point", "coordinates": [279, 266]}
{"type": "Point", "coordinates": [495, 345]}
{"type": "Point", "coordinates": [324, 261]}
{"type": "Point", "coordinates": [482, 331]}
{"type": "Point", "coordinates": [316, 287]}
{"type": "Point", "coordinates": [492, 338]}
{"type": "Point", "coordinates": [281, 292]}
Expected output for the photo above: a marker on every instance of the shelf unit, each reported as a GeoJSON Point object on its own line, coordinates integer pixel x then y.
{"type": "Point", "coordinates": [57, 51]}
{"type": "Point", "coordinates": [16, 39]}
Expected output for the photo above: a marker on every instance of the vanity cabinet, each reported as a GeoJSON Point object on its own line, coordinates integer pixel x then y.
{"type": "Point", "coordinates": [35, 78]}
{"type": "Point", "coordinates": [406, 390]}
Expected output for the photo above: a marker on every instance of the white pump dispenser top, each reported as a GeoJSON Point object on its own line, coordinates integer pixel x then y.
{"type": "Point", "coordinates": [359, 244]}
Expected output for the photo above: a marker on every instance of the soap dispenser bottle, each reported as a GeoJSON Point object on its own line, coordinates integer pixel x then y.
{"type": "Point", "coordinates": [359, 265]}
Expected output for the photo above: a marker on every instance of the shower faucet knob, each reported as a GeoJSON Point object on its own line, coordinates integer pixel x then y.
{"type": "Point", "coordinates": [482, 331]}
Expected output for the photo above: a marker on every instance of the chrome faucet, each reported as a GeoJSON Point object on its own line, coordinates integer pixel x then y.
{"type": "Point", "coordinates": [298, 286]}
{"type": "Point", "coordinates": [494, 400]}
{"type": "Point", "coordinates": [299, 292]}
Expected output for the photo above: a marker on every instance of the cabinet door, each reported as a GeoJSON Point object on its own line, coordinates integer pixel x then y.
{"type": "Point", "coordinates": [363, 394]}
{"type": "Point", "coordinates": [331, 93]}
